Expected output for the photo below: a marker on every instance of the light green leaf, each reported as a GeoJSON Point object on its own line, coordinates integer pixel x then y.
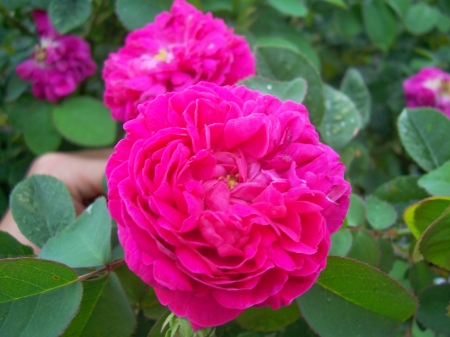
{"type": "Point", "coordinates": [10, 247]}
{"type": "Point", "coordinates": [69, 14]}
{"type": "Point", "coordinates": [421, 18]}
{"type": "Point", "coordinates": [137, 13]}
{"type": "Point", "coordinates": [341, 121]}
{"type": "Point", "coordinates": [267, 319]}
{"type": "Point", "coordinates": [294, 90]}
{"type": "Point", "coordinates": [422, 214]}
{"type": "Point", "coordinates": [399, 6]}
{"type": "Point", "coordinates": [85, 243]}
{"type": "Point", "coordinates": [341, 242]}
{"type": "Point", "coordinates": [104, 310]}
{"type": "Point", "coordinates": [380, 214]}
{"type": "Point", "coordinates": [432, 312]}
{"type": "Point", "coordinates": [352, 299]}
{"type": "Point", "coordinates": [42, 207]}
{"type": "Point", "coordinates": [421, 132]}
{"type": "Point", "coordinates": [85, 121]}
{"type": "Point", "coordinates": [338, 3]}
{"type": "Point", "coordinates": [380, 23]}
{"type": "Point", "coordinates": [443, 22]}
{"type": "Point", "coordinates": [348, 22]}
{"type": "Point", "coordinates": [437, 182]}
{"type": "Point", "coordinates": [37, 297]}
{"type": "Point", "coordinates": [355, 88]}
{"type": "Point", "coordinates": [356, 212]}
{"type": "Point", "coordinates": [365, 248]}
{"type": "Point", "coordinates": [290, 7]}
{"type": "Point", "coordinates": [15, 87]}
{"type": "Point", "coordinates": [285, 64]}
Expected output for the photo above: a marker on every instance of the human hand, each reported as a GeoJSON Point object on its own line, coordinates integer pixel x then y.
{"type": "Point", "coordinates": [82, 173]}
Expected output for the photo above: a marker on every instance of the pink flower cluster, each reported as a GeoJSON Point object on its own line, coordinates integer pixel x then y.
{"type": "Point", "coordinates": [225, 199]}
{"type": "Point", "coordinates": [59, 63]}
{"type": "Point", "coordinates": [179, 49]}
{"type": "Point", "coordinates": [430, 87]}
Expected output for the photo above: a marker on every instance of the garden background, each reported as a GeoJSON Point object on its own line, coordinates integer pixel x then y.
{"type": "Point", "coordinates": [346, 61]}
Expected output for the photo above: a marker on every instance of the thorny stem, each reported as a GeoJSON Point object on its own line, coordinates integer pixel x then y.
{"type": "Point", "coordinates": [108, 268]}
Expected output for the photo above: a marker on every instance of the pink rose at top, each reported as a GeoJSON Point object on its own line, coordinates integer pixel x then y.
{"type": "Point", "coordinates": [179, 49]}
{"type": "Point", "coordinates": [59, 63]}
{"type": "Point", "coordinates": [430, 87]}
{"type": "Point", "coordinates": [225, 199]}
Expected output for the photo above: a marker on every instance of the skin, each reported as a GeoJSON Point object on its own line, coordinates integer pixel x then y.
{"type": "Point", "coordinates": [82, 173]}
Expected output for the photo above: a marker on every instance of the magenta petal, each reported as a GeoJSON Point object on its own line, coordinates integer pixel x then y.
{"type": "Point", "coordinates": [167, 274]}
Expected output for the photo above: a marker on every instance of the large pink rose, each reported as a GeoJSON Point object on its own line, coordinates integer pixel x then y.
{"type": "Point", "coordinates": [225, 199]}
{"type": "Point", "coordinates": [179, 49]}
{"type": "Point", "coordinates": [430, 87]}
{"type": "Point", "coordinates": [58, 64]}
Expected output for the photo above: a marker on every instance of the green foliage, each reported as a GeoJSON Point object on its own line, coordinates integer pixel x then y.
{"type": "Point", "coordinates": [294, 90]}
{"type": "Point", "coordinates": [267, 319]}
{"type": "Point", "coordinates": [69, 14]}
{"type": "Point", "coordinates": [10, 247]}
{"type": "Point", "coordinates": [433, 302]}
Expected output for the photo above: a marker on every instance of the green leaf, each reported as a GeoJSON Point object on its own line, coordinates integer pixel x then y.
{"type": "Point", "coordinates": [151, 306]}
{"type": "Point", "coordinates": [267, 319]}
{"type": "Point", "coordinates": [341, 121]}
{"type": "Point", "coordinates": [86, 242]}
{"type": "Point", "coordinates": [399, 6]}
{"type": "Point", "coordinates": [421, 18]}
{"type": "Point", "coordinates": [104, 310]}
{"type": "Point", "coordinates": [387, 254]}
{"type": "Point", "coordinates": [42, 207]}
{"type": "Point", "coordinates": [294, 90]}
{"type": "Point", "coordinates": [352, 299]}
{"type": "Point", "coordinates": [137, 13]}
{"type": "Point", "coordinates": [355, 88]}
{"type": "Point", "coordinates": [37, 297]}
{"type": "Point", "coordinates": [347, 22]}
{"type": "Point", "coordinates": [284, 64]}
{"type": "Point", "coordinates": [421, 276]}
{"type": "Point", "coordinates": [432, 308]}
{"type": "Point", "coordinates": [421, 132]}
{"type": "Point", "coordinates": [85, 121]}
{"type": "Point", "coordinates": [16, 87]}
{"type": "Point", "coordinates": [437, 182]}
{"type": "Point", "coordinates": [10, 247]}
{"type": "Point", "coordinates": [338, 3]}
{"type": "Point", "coordinates": [134, 287]}
{"type": "Point", "coordinates": [420, 215]}
{"type": "Point", "coordinates": [69, 14]}
{"type": "Point", "coordinates": [156, 330]}
{"type": "Point", "coordinates": [434, 243]}
{"type": "Point", "coordinates": [341, 242]}
{"type": "Point", "coordinates": [399, 272]}
{"type": "Point", "coordinates": [39, 132]}
{"type": "Point", "coordinates": [380, 23]}
{"type": "Point", "coordinates": [356, 212]}
{"type": "Point", "coordinates": [355, 157]}
{"type": "Point", "coordinates": [365, 248]}
{"type": "Point", "coordinates": [290, 7]}
{"type": "Point", "coordinates": [380, 214]}
{"type": "Point", "coordinates": [443, 23]}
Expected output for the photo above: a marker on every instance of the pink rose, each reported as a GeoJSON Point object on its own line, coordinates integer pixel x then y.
{"type": "Point", "coordinates": [430, 87]}
{"type": "Point", "coordinates": [59, 63]}
{"type": "Point", "coordinates": [225, 199]}
{"type": "Point", "coordinates": [179, 49]}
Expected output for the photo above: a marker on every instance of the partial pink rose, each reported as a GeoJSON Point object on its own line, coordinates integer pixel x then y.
{"type": "Point", "coordinates": [58, 64]}
{"type": "Point", "coordinates": [430, 87]}
{"type": "Point", "coordinates": [179, 49]}
{"type": "Point", "coordinates": [225, 199]}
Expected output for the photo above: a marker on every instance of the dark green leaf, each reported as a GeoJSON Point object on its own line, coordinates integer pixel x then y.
{"type": "Point", "coordinates": [157, 328]}
{"type": "Point", "coordinates": [387, 254]}
{"type": "Point", "coordinates": [285, 64]}
{"type": "Point", "coordinates": [341, 121]}
{"type": "Point", "coordinates": [443, 23]}
{"type": "Point", "coordinates": [294, 90]}
{"type": "Point", "coordinates": [380, 23]}
{"type": "Point", "coordinates": [355, 88]}
{"type": "Point", "coordinates": [432, 308]}
{"type": "Point", "coordinates": [399, 6]}
{"type": "Point", "coordinates": [15, 88]}
{"type": "Point", "coordinates": [69, 14]}
{"type": "Point", "coordinates": [85, 121]}
{"type": "Point", "coordinates": [42, 207]}
{"type": "Point", "coordinates": [134, 287]}
{"type": "Point", "coordinates": [341, 241]}
{"type": "Point", "coordinates": [352, 299]}
{"type": "Point", "coordinates": [151, 306]}
{"type": "Point", "coordinates": [104, 310]}
{"type": "Point", "coordinates": [137, 13]}
{"type": "Point", "coordinates": [356, 214]}
{"type": "Point", "coordinates": [437, 182]}
{"type": "Point", "coordinates": [380, 214]}
{"type": "Point", "coordinates": [339, 3]}
{"type": "Point", "coordinates": [347, 22]}
{"type": "Point", "coordinates": [267, 319]}
{"type": "Point", "coordinates": [37, 297]}
{"type": "Point", "coordinates": [421, 132]}
{"type": "Point", "coordinates": [10, 247]}
{"type": "Point", "coordinates": [290, 7]}
{"type": "Point", "coordinates": [421, 18]}
{"type": "Point", "coordinates": [421, 276]}
{"type": "Point", "coordinates": [399, 272]}
{"type": "Point", "coordinates": [86, 242]}
{"type": "Point", "coordinates": [365, 248]}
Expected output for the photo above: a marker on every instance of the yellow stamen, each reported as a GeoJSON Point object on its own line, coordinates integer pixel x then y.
{"type": "Point", "coordinates": [161, 56]}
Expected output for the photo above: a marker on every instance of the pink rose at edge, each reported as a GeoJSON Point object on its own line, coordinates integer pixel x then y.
{"type": "Point", "coordinates": [59, 63]}
{"type": "Point", "coordinates": [180, 48]}
{"type": "Point", "coordinates": [430, 87]}
{"type": "Point", "coordinates": [225, 199]}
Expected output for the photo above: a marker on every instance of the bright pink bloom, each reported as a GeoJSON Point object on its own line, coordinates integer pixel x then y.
{"type": "Point", "coordinates": [59, 63]}
{"type": "Point", "coordinates": [179, 49]}
{"type": "Point", "coordinates": [225, 199]}
{"type": "Point", "coordinates": [430, 87]}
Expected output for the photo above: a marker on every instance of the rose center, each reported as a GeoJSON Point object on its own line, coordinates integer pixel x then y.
{"type": "Point", "coordinates": [444, 88]}
{"type": "Point", "coordinates": [40, 53]}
